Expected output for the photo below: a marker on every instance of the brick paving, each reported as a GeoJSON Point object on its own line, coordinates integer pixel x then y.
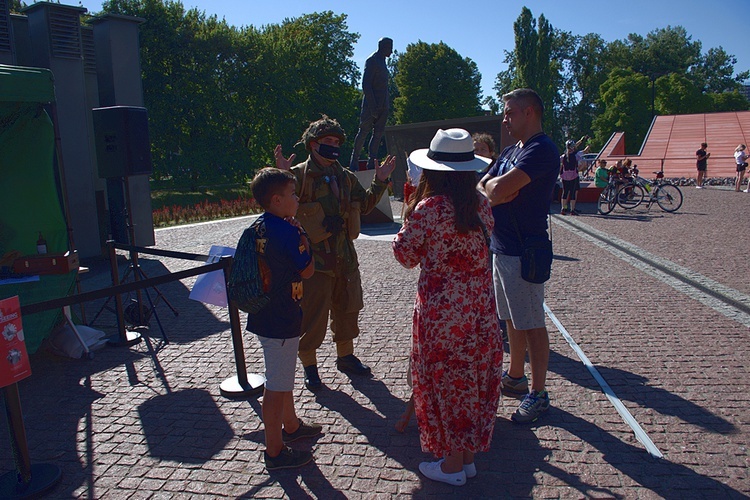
{"type": "Point", "coordinates": [148, 421]}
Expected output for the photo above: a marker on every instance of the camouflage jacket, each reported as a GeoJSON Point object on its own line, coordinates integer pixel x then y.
{"type": "Point", "coordinates": [336, 255]}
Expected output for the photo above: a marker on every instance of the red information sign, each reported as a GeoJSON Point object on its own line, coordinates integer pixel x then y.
{"type": "Point", "coordinates": [14, 361]}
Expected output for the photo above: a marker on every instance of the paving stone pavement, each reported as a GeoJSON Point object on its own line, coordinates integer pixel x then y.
{"type": "Point", "coordinates": [148, 421]}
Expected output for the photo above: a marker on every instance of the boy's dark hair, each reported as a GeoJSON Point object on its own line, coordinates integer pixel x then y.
{"type": "Point", "coordinates": [487, 139]}
{"type": "Point", "coordinates": [268, 182]}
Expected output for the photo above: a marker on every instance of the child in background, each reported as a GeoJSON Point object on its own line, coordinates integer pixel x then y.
{"type": "Point", "coordinates": [277, 325]}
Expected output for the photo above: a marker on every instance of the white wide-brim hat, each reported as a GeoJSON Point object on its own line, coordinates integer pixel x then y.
{"type": "Point", "coordinates": [450, 150]}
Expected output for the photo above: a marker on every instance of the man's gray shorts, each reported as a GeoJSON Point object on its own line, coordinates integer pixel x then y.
{"type": "Point", "coordinates": [517, 299]}
{"type": "Point", "coordinates": [280, 358]}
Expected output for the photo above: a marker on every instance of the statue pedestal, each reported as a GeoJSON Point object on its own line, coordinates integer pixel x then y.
{"type": "Point", "coordinates": [382, 212]}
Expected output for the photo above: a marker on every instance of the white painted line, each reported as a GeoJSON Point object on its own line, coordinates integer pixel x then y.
{"type": "Point", "coordinates": [640, 434]}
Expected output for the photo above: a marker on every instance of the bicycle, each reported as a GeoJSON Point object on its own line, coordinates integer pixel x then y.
{"type": "Point", "coordinates": [606, 202]}
{"type": "Point", "coordinates": [609, 195]}
{"type": "Point", "coordinates": [664, 193]}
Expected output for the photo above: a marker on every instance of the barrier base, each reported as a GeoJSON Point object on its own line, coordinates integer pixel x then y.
{"type": "Point", "coordinates": [231, 387]}
{"type": "Point", "coordinates": [131, 338]}
{"type": "Point", "coordinates": [43, 478]}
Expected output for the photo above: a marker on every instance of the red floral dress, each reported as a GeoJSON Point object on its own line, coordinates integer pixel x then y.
{"type": "Point", "coordinates": [457, 353]}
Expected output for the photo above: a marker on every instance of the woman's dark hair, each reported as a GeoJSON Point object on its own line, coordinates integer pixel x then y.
{"type": "Point", "coordinates": [459, 187]}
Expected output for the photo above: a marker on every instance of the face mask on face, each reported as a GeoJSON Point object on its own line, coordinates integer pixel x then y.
{"type": "Point", "coordinates": [329, 152]}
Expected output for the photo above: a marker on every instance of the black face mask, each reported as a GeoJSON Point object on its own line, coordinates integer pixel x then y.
{"type": "Point", "coordinates": [329, 152]}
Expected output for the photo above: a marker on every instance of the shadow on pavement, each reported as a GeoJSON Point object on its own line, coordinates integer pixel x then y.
{"type": "Point", "coordinates": [666, 479]}
{"type": "Point", "coordinates": [184, 426]}
{"type": "Point", "coordinates": [633, 387]}
{"type": "Point", "coordinates": [194, 320]}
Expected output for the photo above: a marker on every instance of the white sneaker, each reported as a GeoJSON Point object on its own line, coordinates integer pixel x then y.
{"type": "Point", "coordinates": [746, 190]}
{"type": "Point", "coordinates": [433, 471]}
{"type": "Point", "coordinates": [470, 470]}
{"type": "Point", "coordinates": [698, 187]}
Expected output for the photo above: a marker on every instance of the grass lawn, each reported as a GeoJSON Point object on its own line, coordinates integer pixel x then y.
{"type": "Point", "coordinates": [161, 198]}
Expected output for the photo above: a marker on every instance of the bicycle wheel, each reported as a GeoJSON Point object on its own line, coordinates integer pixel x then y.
{"type": "Point", "coordinates": [606, 201]}
{"type": "Point", "coordinates": [630, 196]}
{"type": "Point", "coordinates": [669, 197]}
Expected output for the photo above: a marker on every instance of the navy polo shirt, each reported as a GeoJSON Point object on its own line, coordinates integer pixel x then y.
{"type": "Point", "coordinates": [540, 160]}
{"type": "Point", "coordinates": [286, 258]}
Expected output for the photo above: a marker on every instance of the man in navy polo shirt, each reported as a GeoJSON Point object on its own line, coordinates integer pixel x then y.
{"type": "Point", "coordinates": [519, 187]}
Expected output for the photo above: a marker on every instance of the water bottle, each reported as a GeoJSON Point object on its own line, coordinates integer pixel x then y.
{"type": "Point", "coordinates": [41, 244]}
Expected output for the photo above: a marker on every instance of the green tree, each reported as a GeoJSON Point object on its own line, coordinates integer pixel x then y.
{"type": "Point", "coordinates": [435, 83]}
{"type": "Point", "coordinates": [728, 101]}
{"type": "Point", "coordinates": [587, 73]}
{"type": "Point", "coordinates": [676, 94]}
{"type": "Point", "coordinates": [714, 72]}
{"type": "Point", "coordinates": [187, 62]}
{"type": "Point", "coordinates": [306, 70]}
{"type": "Point", "coordinates": [16, 6]}
{"type": "Point", "coordinates": [626, 102]}
{"type": "Point", "coordinates": [220, 98]}
{"type": "Point", "coordinates": [537, 62]}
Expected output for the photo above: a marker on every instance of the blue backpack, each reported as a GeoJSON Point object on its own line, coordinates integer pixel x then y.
{"type": "Point", "coordinates": [249, 281]}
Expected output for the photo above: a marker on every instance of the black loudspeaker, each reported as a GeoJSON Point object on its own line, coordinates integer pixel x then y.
{"type": "Point", "coordinates": [121, 139]}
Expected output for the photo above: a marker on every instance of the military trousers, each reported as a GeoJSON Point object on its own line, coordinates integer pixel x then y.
{"type": "Point", "coordinates": [341, 298]}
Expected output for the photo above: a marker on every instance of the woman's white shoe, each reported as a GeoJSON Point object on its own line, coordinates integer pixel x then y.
{"type": "Point", "coordinates": [470, 470]}
{"type": "Point", "coordinates": [433, 471]}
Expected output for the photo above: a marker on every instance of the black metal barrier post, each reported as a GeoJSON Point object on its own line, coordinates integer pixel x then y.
{"type": "Point", "coordinates": [239, 386]}
{"type": "Point", "coordinates": [28, 480]}
{"type": "Point", "coordinates": [234, 387]}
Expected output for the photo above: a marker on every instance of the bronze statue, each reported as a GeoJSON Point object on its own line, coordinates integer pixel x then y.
{"type": "Point", "coordinates": [375, 103]}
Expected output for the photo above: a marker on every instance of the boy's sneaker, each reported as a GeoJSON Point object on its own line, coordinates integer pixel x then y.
{"type": "Point", "coordinates": [575, 212]}
{"type": "Point", "coordinates": [289, 458]}
{"type": "Point", "coordinates": [514, 386]}
{"type": "Point", "coordinates": [533, 405]}
{"type": "Point", "coordinates": [304, 430]}
{"type": "Point", "coordinates": [564, 211]}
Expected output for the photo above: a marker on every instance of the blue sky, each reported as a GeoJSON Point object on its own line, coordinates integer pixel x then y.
{"type": "Point", "coordinates": [482, 31]}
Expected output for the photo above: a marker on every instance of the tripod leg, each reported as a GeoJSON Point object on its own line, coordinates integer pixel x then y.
{"type": "Point", "coordinates": [156, 315]}
{"type": "Point", "coordinates": [159, 295]}
{"type": "Point", "coordinates": [106, 302]}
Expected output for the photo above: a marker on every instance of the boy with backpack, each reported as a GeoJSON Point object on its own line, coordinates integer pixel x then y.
{"type": "Point", "coordinates": [283, 255]}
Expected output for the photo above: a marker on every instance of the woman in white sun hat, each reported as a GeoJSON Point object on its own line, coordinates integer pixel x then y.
{"type": "Point", "coordinates": [456, 360]}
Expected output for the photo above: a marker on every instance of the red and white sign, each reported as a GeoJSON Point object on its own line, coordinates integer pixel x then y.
{"type": "Point", "coordinates": [14, 361]}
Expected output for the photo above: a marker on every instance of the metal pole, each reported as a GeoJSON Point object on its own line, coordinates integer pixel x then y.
{"type": "Point", "coordinates": [27, 481]}
{"type": "Point", "coordinates": [239, 386]}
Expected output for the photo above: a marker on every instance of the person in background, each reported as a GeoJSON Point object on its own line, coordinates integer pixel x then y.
{"type": "Point", "coordinates": [740, 158]}
{"type": "Point", "coordinates": [701, 163]}
{"type": "Point", "coordinates": [277, 325]}
{"type": "Point", "coordinates": [569, 162]}
{"type": "Point", "coordinates": [484, 146]}
{"type": "Point", "coordinates": [519, 187]}
{"type": "Point", "coordinates": [456, 359]}
{"type": "Point", "coordinates": [335, 287]}
{"type": "Point", "coordinates": [601, 175]}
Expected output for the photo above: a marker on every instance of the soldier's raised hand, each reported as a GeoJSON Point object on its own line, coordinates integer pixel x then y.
{"type": "Point", "coordinates": [384, 170]}
{"type": "Point", "coordinates": [281, 162]}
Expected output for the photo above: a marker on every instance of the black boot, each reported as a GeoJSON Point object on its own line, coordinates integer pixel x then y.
{"type": "Point", "coordinates": [351, 364]}
{"type": "Point", "coordinates": [312, 379]}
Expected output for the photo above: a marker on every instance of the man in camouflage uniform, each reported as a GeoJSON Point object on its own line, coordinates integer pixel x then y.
{"type": "Point", "coordinates": [335, 287]}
